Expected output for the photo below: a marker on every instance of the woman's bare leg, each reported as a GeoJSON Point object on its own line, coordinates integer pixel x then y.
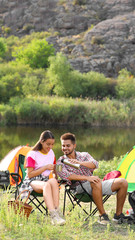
{"type": "Point", "coordinates": [45, 188]}
{"type": "Point", "coordinates": [55, 191]}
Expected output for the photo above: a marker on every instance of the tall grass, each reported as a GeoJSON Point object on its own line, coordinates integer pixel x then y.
{"type": "Point", "coordinates": [58, 110]}
{"type": "Point", "coordinates": [38, 226]}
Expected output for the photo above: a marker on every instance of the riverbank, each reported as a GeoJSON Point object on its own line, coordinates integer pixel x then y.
{"type": "Point", "coordinates": [68, 111]}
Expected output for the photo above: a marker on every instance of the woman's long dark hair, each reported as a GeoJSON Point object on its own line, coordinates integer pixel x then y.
{"type": "Point", "coordinates": [43, 137]}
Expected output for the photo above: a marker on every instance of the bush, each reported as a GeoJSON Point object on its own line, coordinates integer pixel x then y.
{"type": "Point", "coordinates": [35, 54]}
{"type": "Point", "coordinates": [11, 80]}
{"type": "Point", "coordinates": [3, 47]}
{"type": "Point", "coordinates": [30, 111]}
{"type": "Point", "coordinates": [35, 83]}
{"type": "Point", "coordinates": [8, 116]}
{"type": "Point", "coordinates": [11, 86]}
{"type": "Point", "coordinates": [107, 166]}
{"type": "Point", "coordinates": [95, 85]}
{"type": "Point", "coordinates": [59, 74]}
{"type": "Point", "coordinates": [125, 87]}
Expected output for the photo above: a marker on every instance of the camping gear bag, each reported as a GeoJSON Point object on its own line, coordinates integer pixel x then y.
{"type": "Point", "coordinates": [20, 207]}
{"type": "Point", "coordinates": [112, 174]}
{"type": "Point", "coordinates": [4, 179]}
{"type": "Point", "coordinates": [131, 199]}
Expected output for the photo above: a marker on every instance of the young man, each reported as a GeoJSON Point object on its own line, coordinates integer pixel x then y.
{"type": "Point", "coordinates": [93, 184]}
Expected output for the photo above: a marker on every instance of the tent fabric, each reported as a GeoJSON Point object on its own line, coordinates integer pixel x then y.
{"type": "Point", "coordinates": [127, 169]}
{"type": "Point", "coordinates": [10, 161]}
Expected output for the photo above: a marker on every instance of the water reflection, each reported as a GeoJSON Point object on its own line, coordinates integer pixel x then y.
{"type": "Point", "coordinates": [101, 143]}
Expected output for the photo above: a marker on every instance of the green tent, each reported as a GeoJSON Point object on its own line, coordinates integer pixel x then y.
{"type": "Point", "coordinates": [127, 169]}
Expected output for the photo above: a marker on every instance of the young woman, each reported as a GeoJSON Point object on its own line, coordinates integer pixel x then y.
{"type": "Point", "coordinates": [40, 162]}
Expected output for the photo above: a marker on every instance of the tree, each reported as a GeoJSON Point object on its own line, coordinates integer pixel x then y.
{"type": "Point", "coordinates": [35, 54]}
{"type": "Point", "coordinates": [59, 74]}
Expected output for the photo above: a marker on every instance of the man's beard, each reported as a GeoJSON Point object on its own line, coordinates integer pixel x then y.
{"type": "Point", "coordinates": [70, 152]}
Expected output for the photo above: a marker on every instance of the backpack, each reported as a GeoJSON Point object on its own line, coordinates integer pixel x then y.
{"type": "Point", "coordinates": [131, 199]}
{"type": "Point", "coordinates": [112, 174]}
{"type": "Point", "coordinates": [4, 179]}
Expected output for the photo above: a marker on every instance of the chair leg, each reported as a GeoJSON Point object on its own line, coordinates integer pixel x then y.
{"type": "Point", "coordinates": [73, 198]}
{"type": "Point", "coordinates": [65, 193]}
{"type": "Point", "coordinates": [38, 204]}
{"type": "Point", "coordinates": [96, 209]}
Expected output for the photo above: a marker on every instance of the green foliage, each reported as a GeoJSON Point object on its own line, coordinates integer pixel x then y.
{"type": "Point", "coordinates": [59, 74]}
{"type": "Point", "coordinates": [125, 87]}
{"type": "Point", "coordinates": [3, 47]}
{"type": "Point", "coordinates": [107, 166]}
{"type": "Point", "coordinates": [31, 111]}
{"type": "Point", "coordinates": [8, 116]}
{"type": "Point", "coordinates": [35, 83]}
{"type": "Point", "coordinates": [95, 85]}
{"type": "Point", "coordinates": [35, 54]}
{"type": "Point", "coordinates": [11, 80]}
{"type": "Point", "coordinates": [11, 42]}
{"type": "Point", "coordinates": [73, 111]}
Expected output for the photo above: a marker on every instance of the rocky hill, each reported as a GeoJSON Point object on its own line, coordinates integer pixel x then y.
{"type": "Point", "coordinates": [95, 35]}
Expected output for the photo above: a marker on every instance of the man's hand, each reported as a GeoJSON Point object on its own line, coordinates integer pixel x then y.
{"type": "Point", "coordinates": [73, 161]}
{"type": "Point", "coordinates": [94, 179]}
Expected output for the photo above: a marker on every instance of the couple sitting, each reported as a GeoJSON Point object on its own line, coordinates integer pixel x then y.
{"type": "Point", "coordinates": [41, 161]}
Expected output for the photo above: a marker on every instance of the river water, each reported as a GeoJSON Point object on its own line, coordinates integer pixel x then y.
{"type": "Point", "coordinates": [101, 143]}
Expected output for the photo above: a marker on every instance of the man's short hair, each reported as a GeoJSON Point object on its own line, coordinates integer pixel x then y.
{"type": "Point", "coordinates": [68, 136]}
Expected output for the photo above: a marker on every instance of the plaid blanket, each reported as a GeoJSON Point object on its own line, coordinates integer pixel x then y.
{"type": "Point", "coordinates": [26, 184]}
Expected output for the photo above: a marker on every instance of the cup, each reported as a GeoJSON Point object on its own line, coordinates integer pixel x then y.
{"type": "Point", "coordinates": [58, 168]}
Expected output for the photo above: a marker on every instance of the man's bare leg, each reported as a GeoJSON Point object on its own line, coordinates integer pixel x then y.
{"type": "Point", "coordinates": [97, 196]}
{"type": "Point", "coordinates": [120, 185]}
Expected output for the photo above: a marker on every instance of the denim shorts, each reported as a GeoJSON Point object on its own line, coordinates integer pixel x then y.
{"type": "Point", "coordinates": [106, 187]}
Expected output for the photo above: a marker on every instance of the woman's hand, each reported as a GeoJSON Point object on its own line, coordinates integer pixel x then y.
{"type": "Point", "coordinates": [49, 167]}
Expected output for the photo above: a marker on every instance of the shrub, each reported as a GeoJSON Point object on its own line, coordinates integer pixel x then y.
{"type": "Point", "coordinates": [35, 83]}
{"type": "Point", "coordinates": [95, 85]}
{"type": "Point", "coordinates": [30, 111]}
{"type": "Point", "coordinates": [59, 74]}
{"type": "Point", "coordinates": [125, 87]}
{"type": "Point", "coordinates": [11, 86]}
{"type": "Point", "coordinates": [35, 54]}
{"type": "Point", "coordinates": [8, 116]}
{"type": "Point", "coordinates": [3, 47]}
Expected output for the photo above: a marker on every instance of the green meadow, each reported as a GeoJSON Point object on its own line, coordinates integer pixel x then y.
{"type": "Point", "coordinates": [38, 226]}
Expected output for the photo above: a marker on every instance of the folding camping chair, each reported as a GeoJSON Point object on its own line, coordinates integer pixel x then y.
{"type": "Point", "coordinates": [78, 199]}
{"type": "Point", "coordinates": [35, 198]}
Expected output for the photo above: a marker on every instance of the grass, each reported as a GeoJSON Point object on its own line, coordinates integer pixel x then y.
{"type": "Point", "coordinates": [38, 227]}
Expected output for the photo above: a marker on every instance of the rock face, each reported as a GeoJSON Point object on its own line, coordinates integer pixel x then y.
{"type": "Point", "coordinates": [95, 35]}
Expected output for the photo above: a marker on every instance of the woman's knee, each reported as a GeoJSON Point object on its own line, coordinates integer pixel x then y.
{"type": "Point", "coordinates": [53, 182]}
{"type": "Point", "coordinates": [46, 186]}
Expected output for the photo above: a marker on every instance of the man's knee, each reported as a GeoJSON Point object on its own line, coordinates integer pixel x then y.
{"type": "Point", "coordinates": [124, 183]}
{"type": "Point", "coordinates": [119, 183]}
{"type": "Point", "coordinates": [96, 186]}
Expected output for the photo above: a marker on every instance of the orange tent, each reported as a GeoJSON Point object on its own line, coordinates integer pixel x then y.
{"type": "Point", "coordinates": [10, 161]}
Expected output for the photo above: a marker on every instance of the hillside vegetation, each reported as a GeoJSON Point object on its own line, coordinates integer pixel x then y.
{"type": "Point", "coordinates": [38, 86]}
